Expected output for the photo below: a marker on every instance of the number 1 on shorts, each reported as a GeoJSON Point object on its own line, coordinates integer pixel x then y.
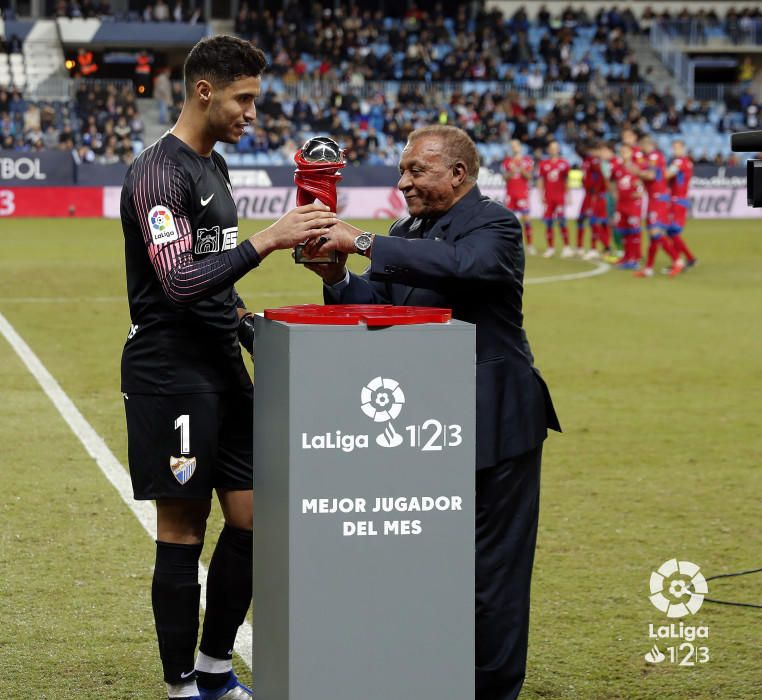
{"type": "Point", "coordinates": [183, 422]}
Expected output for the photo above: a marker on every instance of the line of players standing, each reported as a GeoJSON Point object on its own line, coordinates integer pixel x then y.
{"type": "Point", "coordinates": [638, 170]}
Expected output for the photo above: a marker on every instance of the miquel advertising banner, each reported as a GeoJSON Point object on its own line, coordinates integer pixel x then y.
{"type": "Point", "coordinates": [269, 203]}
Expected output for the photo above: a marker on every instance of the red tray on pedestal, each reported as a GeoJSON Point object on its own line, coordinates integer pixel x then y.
{"type": "Point", "coordinates": [354, 314]}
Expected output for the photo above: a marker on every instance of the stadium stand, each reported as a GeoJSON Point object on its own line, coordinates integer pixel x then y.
{"type": "Point", "coordinates": [564, 73]}
{"type": "Point", "coordinates": [567, 77]}
{"type": "Point", "coordinates": [102, 124]}
{"type": "Point", "coordinates": [706, 27]}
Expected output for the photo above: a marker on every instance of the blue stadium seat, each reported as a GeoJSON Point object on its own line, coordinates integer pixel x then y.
{"type": "Point", "coordinates": [535, 34]}
{"type": "Point", "coordinates": [443, 49]}
{"type": "Point", "coordinates": [496, 151]}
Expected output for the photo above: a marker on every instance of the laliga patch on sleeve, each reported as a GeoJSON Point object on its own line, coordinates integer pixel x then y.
{"type": "Point", "coordinates": [162, 225]}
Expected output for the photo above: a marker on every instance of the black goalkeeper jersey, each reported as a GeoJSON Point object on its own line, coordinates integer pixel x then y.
{"type": "Point", "coordinates": [182, 258]}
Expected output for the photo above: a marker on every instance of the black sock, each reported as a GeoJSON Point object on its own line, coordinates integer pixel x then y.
{"type": "Point", "coordinates": [211, 681]}
{"type": "Point", "coordinates": [175, 594]}
{"type": "Point", "coordinates": [228, 596]}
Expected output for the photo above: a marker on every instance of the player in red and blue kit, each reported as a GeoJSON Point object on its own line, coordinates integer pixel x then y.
{"type": "Point", "coordinates": [554, 175]}
{"type": "Point", "coordinates": [629, 138]}
{"type": "Point", "coordinates": [628, 190]}
{"type": "Point", "coordinates": [653, 173]}
{"type": "Point", "coordinates": [679, 175]}
{"type": "Point", "coordinates": [517, 173]}
{"type": "Point", "coordinates": [594, 206]}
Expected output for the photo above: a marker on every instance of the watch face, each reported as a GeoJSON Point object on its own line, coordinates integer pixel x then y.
{"type": "Point", "coordinates": [362, 242]}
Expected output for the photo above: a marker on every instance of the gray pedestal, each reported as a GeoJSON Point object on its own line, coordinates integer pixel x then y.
{"type": "Point", "coordinates": [364, 512]}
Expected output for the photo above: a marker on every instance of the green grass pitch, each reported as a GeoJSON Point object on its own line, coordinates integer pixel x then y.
{"type": "Point", "coordinates": [658, 384]}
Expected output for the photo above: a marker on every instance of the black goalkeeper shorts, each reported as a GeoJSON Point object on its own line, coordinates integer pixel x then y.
{"type": "Point", "coordinates": [186, 445]}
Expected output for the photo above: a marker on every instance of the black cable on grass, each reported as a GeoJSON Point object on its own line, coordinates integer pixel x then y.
{"type": "Point", "coordinates": [730, 602]}
{"type": "Point", "coordinates": [736, 573]}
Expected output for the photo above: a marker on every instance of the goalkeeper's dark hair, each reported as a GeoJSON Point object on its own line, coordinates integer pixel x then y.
{"type": "Point", "coordinates": [221, 60]}
{"type": "Point", "coordinates": [457, 146]}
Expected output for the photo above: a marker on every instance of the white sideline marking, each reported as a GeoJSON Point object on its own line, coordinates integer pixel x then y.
{"type": "Point", "coordinates": [599, 269]}
{"type": "Point", "coordinates": [112, 469]}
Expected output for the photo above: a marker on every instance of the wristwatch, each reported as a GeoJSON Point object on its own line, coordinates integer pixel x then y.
{"type": "Point", "coordinates": [363, 242]}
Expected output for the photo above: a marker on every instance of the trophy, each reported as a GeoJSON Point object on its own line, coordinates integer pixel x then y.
{"type": "Point", "coordinates": [317, 173]}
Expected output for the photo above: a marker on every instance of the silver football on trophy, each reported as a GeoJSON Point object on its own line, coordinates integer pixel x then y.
{"type": "Point", "coordinates": [322, 149]}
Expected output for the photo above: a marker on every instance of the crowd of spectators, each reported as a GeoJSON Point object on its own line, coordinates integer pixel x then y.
{"type": "Point", "coordinates": [373, 129]}
{"type": "Point", "coordinates": [101, 125]}
{"type": "Point", "coordinates": [110, 124]}
{"type": "Point", "coordinates": [158, 11]}
{"type": "Point", "coordinates": [25, 124]}
{"type": "Point", "coordinates": [747, 105]}
{"type": "Point", "coordinates": [586, 55]}
{"type": "Point", "coordinates": [449, 69]}
{"type": "Point", "coordinates": [359, 45]}
{"type": "Point", "coordinates": [86, 9]}
{"type": "Point", "coordinates": [737, 25]}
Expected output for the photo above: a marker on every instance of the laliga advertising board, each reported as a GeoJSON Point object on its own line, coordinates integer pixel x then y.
{"type": "Point", "coordinates": [268, 203]}
{"type": "Point", "coordinates": [42, 184]}
{"type": "Point", "coordinates": [49, 184]}
{"type": "Point", "coordinates": [264, 195]}
{"type": "Point", "coordinates": [364, 502]}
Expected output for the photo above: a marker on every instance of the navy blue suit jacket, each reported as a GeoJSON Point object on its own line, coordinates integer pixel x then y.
{"type": "Point", "coordinates": [471, 260]}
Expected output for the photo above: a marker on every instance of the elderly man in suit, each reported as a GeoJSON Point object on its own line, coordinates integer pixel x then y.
{"type": "Point", "coordinates": [461, 250]}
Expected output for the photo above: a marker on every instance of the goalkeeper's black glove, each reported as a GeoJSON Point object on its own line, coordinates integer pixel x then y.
{"type": "Point", "coordinates": [246, 332]}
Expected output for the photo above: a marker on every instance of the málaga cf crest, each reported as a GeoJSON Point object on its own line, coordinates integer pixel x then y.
{"type": "Point", "coordinates": [183, 468]}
